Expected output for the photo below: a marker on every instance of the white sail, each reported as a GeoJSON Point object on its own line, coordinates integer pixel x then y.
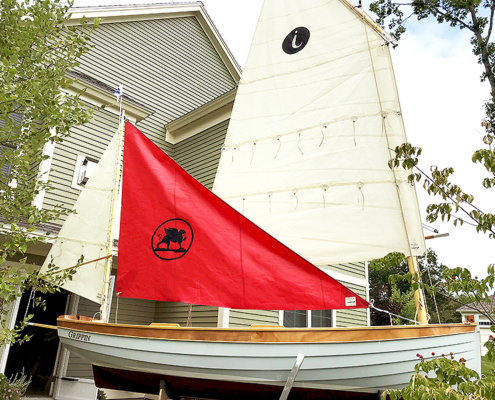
{"type": "Point", "coordinates": [311, 133]}
{"type": "Point", "coordinates": [86, 232]}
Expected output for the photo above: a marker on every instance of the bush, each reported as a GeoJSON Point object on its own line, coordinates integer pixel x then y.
{"type": "Point", "coordinates": [13, 388]}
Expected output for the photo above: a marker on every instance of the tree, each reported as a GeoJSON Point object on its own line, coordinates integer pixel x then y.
{"type": "Point", "coordinates": [36, 50]}
{"type": "Point", "coordinates": [397, 298]}
{"type": "Point", "coordinates": [453, 379]}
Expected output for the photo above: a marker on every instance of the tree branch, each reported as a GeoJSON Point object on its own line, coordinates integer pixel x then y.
{"type": "Point", "coordinates": [483, 48]}
{"type": "Point", "coordinates": [492, 11]}
{"type": "Point", "coordinates": [451, 199]}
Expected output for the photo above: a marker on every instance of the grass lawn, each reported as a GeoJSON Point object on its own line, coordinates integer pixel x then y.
{"type": "Point", "coordinates": [486, 366]}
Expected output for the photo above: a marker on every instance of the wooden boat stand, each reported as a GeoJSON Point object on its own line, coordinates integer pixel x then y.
{"type": "Point", "coordinates": [164, 393]}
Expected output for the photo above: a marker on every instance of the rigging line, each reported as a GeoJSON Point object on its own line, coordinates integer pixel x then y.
{"type": "Point", "coordinates": [80, 265]}
{"type": "Point", "coordinates": [117, 307]}
{"type": "Point", "coordinates": [391, 313]}
{"type": "Point", "coordinates": [270, 202]}
{"type": "Point", "coordinates": [385, 128]}
{"type": "Point", "coordinates": [189, 316]}
{"type": "Point", "coordinates": [233, 150]}
{"type": "Point", "coordinates": [434, 297]}
{"type": "Point", "coordinates": [31, 298]}
{"type": "Point", "coordinates": [297, 200]}
{"type": "Point", "coordinates": [113, 210]}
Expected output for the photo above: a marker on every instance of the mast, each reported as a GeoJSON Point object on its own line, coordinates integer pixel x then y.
{"type": "Point", "coordinates": [105, 306]}
{"type": "Point", "coordinates": [419, 296]}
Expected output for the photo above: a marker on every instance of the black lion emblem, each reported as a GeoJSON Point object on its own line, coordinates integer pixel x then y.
{"type": "Point", "coordinates": [172, 239]}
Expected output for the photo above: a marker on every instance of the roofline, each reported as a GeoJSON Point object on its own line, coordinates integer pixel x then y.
{"type": "Point", "coordinates": [205, 109]}
{"type": "Point", "coordinates": [141, 12]}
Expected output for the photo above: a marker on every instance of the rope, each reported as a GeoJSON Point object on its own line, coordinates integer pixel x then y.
{"type": "Point", "coordinates": [32, 298]}
{"type": "Point", "coordinates": [117, 307]}
{"type": "Point", "coordinates": [252, 156]}
{"type": "Point", "coordinates": [298, 140]}
{"type": "Point", "coordinates": [434, 297]}
{"type": "Point", "coordinates": [322, 134]}
{"type": "Point", "coordinates": [391, 313]}
{"type": "Point", "coordinates": [279, 146]}
{"type": "Point", "coordinates": [189, 316]}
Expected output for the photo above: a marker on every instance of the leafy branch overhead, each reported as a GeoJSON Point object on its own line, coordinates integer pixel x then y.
{"type": "Point", "coordinates": [474, 15]}
{"type": "Point", "coordinates": [38, 46]}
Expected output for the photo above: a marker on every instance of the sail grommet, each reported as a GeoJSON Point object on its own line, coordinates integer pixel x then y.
{"type": "Point", "coordinates": [270, 201]}
{"type": "Point", "coordinates": [233, 151]}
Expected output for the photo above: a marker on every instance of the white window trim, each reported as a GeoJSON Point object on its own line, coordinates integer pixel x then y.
{"type": "Point", "coordinates": [308, 318]}
{"type": "Point", "coordinates": [48, 150]}
{"type": "Point", "coordinates": [77, 168]}
{"type": "Point", "coordinates": [11, 325]}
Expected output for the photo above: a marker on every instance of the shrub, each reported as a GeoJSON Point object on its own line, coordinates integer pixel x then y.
{"type": "Point", "coordinates": [13, 388]}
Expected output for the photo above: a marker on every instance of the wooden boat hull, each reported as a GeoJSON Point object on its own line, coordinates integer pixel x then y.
{"type": "Point", "coordinates": [339, 359]}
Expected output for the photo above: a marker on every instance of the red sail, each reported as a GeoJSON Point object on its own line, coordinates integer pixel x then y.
{"type": "Point", "coordinates": [180, 242]}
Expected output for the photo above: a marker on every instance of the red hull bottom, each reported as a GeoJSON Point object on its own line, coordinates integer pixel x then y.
{"type": "Point", "coordinates": [141, 382]}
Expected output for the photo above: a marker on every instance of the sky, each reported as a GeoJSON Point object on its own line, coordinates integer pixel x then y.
{"type": "Point", "coordinates": [441, 99]}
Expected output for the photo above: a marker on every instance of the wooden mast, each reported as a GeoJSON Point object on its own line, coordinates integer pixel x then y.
{"type": "Point", "coordinates": [419, 296]}
{"type": "Point", "coordinates": [105, 306]}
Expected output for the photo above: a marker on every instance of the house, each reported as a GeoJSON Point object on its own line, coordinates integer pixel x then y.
{"type": "Point", "coordinates": [180, 82]}
{"type": "Point", "coordinates": [476, 313]}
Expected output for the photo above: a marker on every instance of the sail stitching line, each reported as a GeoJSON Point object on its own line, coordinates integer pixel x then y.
{"type": "Point", "coordinates": [82, 241]}
{"type": "Point", "coordinates": [99, 189]}
{"type": "Point", "coordinates": [295, 71]}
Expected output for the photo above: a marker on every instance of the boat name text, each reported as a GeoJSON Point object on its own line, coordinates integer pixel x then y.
{"type": "Point", "coordinates": [79, 336]}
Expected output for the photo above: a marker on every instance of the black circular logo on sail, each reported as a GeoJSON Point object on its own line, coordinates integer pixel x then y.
{"type": "Point", "coordinates": [296, 40]}
{"type": "Point", "coordinates": [172, 239]}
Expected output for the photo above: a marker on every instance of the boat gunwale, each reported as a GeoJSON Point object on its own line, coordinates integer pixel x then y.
{"type": "Point", "coordinates": [256, 334]}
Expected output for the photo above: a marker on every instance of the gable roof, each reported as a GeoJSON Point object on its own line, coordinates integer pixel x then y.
{"type": "Point", "coordinates": [142, 12]}
{"type": "Point", "coordinates": [482, 307]}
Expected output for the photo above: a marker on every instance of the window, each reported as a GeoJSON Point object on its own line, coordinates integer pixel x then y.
{"type": "Point", "coordinates": [308, 319]}
{"type": "Point", "coordinates": [84, 168]}
{"type": "Point", "coordinates": [485, 323]}
{"type": "Point", "coordinates": [5, 168]}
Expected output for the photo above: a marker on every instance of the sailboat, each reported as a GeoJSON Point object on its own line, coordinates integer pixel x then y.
{"type": "Point", "coordinates": [303, 182]}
